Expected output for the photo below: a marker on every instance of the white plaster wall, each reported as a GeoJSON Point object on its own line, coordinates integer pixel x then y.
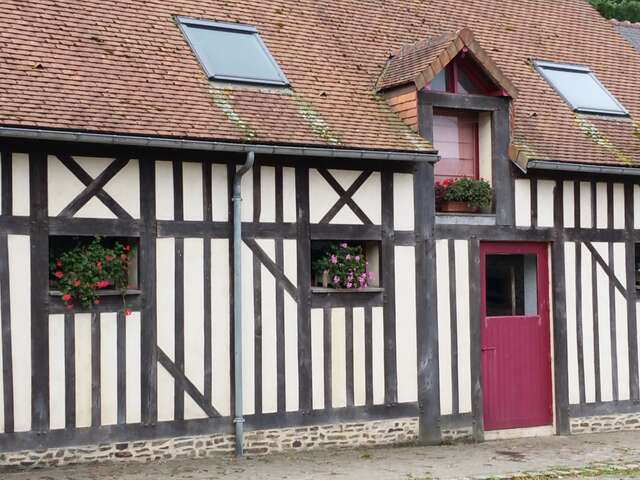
{"type": "Point", "coordinates": [523, 202]}
{"type": "Point", "coordinates": [194, 321]}
{"type": "Point", "coordinates": [165, 318]}
{"type": "Point", "coordinates": [289, 194]}
{"type": "Point", "coordinates": [568, 204]}
{"type": "Point", "coordinates": [164, 190]}
{"type": "Point", "coordinates": [192, 188]}
{"type": "Point", "coordinates": [248, 329]}
{"type": "Point", "coordinates": [618, 205]}
{"type": "Point", "coordinates": [588, 290]}
{"type": "Point", "coordinates": [267, 194]}
{"type": "Point", "coordinates": [56, 373]}
{"type": "Point", "coordinates": [359, 381]}
{"type": "Point", "coordinates": [585, 205]}
{"type": "Point", "coordinates": [601, 205]}
{"type": "Point", "coordinates": [572, 334]}
{"type": "Point", "coordinates": [444, 326]}
{"type": "Point", "coordinates": [133, 378]}
{"type": "Point", "coordinates": [82, 322]}
{"type": "Point", "coordinates": [338, 359]}
{"type": "Point", "coordinates": [20, 298]}
{"type": "Point", "coordinates": [604, 324]}
{"type": "Point", "coordinates": [369, 198]}
{"type": "Point", "coordinates": [63, 186]}
{"type": "Point", "coordinates": [269, 332]}
{"type": "Point", "coordinates": [545, 203]}
{"type": "Point", "coordinates": [377, 351]}
{"type": "Point", "coordinates": [291, 328]}
{"type": "Point", "coordinates": [20, 184]}
{"type": "Point", "coordinates": [220, 192]}
{"type": "Point", "coordinates": [124, 188]}
{"type": "Point", "coordinates": [464, 333]}
{"type": "Point", "coordinates": [403, 214]}
{"type": "Point", "coordinates": [317, 358]}
{"type": "Point", "coordinates": [406, 353]}
{"type": "Point", "coordinates": [220, 326]}
{"type": "Point", "coordinates": [622, 334]}
{"type": "Point", "coordinates": [108, 369]}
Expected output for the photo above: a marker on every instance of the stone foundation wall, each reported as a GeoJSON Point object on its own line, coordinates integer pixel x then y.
{"type": "Point", "coordinates": [360, 434]}
{"type": "Point", "coordinates": [605, 423]}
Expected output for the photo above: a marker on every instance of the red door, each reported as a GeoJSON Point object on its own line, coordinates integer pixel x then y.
{"type": "Point", "coordinates": [515, 336]}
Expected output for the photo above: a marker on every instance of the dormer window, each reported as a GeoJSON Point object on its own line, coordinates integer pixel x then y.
{"type": "Point", "coordinates": [232, 52]}
{"type": "Point", "coordinates": [580, 88]}
{"type": "Point", "coordinates": [463, 76]}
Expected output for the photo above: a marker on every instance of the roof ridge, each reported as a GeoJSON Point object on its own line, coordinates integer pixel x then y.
{"type": "Point", "coordinates": [624, 23]}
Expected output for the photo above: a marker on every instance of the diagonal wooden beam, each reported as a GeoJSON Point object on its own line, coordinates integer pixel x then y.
{"type": "Point", "coordinates": [276, 271]}
{"type": "Point", "coordinates": [345, 196]}
{"type": "Point", "coordinates": [94, 187]}
{"type": "Point", "coordinates": [185, 384]}
{"type": "Point", "coordinates": [600, 261]}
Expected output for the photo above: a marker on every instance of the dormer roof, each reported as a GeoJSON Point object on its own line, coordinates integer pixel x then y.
{"type": "Point", "coordinates": [420, 62]}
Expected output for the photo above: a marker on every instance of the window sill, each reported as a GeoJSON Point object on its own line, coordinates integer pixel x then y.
{"type": "Point", "coordinates": [488, 219]}
{"type": "Point", "coordinates": [346, 297]}
{"type": "Point", "coordinates": [103, 293]}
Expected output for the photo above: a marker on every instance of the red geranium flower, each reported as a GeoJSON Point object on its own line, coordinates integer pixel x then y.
{"type": "Point", "coordinates": [66, 297]}
{"type": "Point", "coordinates": [70, 306]}
{"type": "Point", "coordinates": [59, 263]}
{"type": "Point", "coordinates": [97, 301]}
{"type": "Point", "coordinates": [108, 258]}
{"type": "Point", "coordinates": [58, 274]}
{"type": "Point", "coordinates": [76, 283]}
{"type": "Point", "coordinates": [127, 312]}
{"type": "Point", "coordinates": [127, 248]}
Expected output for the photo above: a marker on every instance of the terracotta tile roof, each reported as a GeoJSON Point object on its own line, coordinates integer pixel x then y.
{"type": "Point", "coordinates": [119, 66]}
{"type": "Point", "coordinates": [420, 62]}
{"type": "Point", "coordinates": [629, 30]}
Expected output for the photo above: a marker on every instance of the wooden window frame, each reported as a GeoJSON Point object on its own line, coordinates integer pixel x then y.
{"type": "Point", "coordinates": [502, 175]}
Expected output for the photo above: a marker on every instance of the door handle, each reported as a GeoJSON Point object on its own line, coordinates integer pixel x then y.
{"type": "Point", "coordinates": [487, 349]}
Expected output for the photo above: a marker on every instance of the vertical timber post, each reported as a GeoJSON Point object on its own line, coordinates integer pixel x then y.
{"type": "Point", "coordinates": [39, 230]}
{"type": "Point", "coordinates": [426, 307]}
{"type": "Point", "coordinates": [561, 368]}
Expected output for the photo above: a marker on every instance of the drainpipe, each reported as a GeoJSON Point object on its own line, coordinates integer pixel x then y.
{"type": "Point", "coordinates": [237, 302]}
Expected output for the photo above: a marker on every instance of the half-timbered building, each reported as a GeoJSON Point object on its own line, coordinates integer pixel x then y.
{"type": "Point", "coordinates": [229, 142]}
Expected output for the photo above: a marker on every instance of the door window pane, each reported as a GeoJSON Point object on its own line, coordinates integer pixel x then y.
{"type": "Point", "coordinates": [511, 285]}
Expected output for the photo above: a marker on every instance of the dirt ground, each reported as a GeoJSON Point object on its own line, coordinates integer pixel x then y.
{"type": "Point", "coordinates": [610, 455]}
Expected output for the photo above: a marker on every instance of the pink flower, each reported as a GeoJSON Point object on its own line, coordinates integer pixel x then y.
{"type": "Point", "coordinates": [334, 259]}
{"type": "Point", "coordinates": [371, 275]}
{"type": "Point", "coordinates": [336, 279]}
{"type": "Point", "coordinates": [357, 258]}
{"type": "Point", "coordinates": [343, 245]}
{"type": "Point", "coordinates": [349, 285]}
{"type": "Point", "coordinates": [348, 257]}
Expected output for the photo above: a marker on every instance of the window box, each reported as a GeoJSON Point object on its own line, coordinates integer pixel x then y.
{"type": "Point", "coordinates": [346, 297]}
{"type": "Point", "coordinates": [463, 195]}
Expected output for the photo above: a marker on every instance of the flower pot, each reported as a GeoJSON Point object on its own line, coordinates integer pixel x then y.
{"type": "Point", "coordinates": [458, 207]}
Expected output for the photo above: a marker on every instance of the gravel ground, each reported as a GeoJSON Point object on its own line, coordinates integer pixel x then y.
{"type": "Point", "coordinates": [594, 456]}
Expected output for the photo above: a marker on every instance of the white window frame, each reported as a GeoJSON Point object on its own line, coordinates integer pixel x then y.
{"type": "Point", "coordinates": [541, 66]}
{"type": "Point", "coordinates": [185, 22]}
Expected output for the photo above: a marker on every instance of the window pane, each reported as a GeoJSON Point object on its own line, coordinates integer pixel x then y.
{"type": "Point", "coordinates": [456, 139]}
{"type": "Point", "coordinates": [232, 54]}
{"type": "Point", "coordinates": [581, 90]}
{"type": "Point", "coordinates": [439, 82]}
{"type": "Point", "coordinates": [511, 285]}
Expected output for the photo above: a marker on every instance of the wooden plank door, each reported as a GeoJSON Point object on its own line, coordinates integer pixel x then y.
{"type": "Point", "coordinates": [515, 335]}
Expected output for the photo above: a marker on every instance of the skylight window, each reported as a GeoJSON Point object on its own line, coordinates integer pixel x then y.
{"type": "Point", "coordinates": [231, 52]}
{"type": "Point", "coordinates": [580, 88]}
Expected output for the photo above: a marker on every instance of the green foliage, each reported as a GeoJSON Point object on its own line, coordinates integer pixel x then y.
{"type": "Point", "coordinates": [477, 193]}
{"type": "Point", "coordinates": [80, 272]}
{"type": "Point", "coordinates": [346, 266]}
{"type": "Point", "coordinates": [618, 9]}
